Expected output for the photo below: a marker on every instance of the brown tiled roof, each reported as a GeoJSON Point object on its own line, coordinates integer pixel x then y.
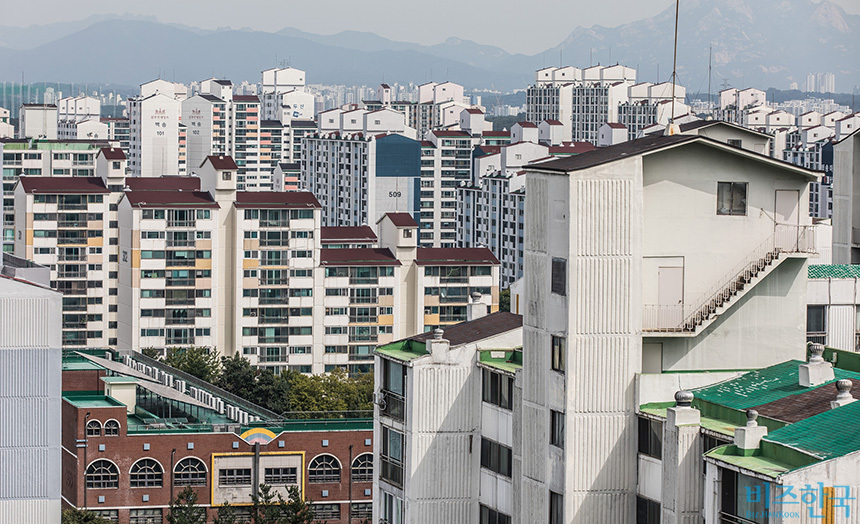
{"type": "Point", "coordinates": [795, 408]}
{"type": "Point", "coordinates": [112, 153]}
{"type": "Point", "coordinates": [195, 199]}
{"type": "Point", "coordinates": [221, 162]}
{"type": "Point", "coordinates": [553, 122]}
{"type": "Point", "coordinates": [526, 124]}
{"type": "Point", "coordinates": [454, 256]}
{"type": "Point", "coordinates": [363, 256]}
{"type": "Point", "coordinates": [475, 330]}
{"type": "Point", "coordinates": [62, 184]}
{"type": "Point", "coordinates": [276, 199]}
{"type": "Point", "coordinates": [400, 219]}
{"type": "Point", "coordinates": [616, 125]}
{"type": "Point", "coordinates": [354, 234]}
{"type": "Point", "coordinates": [163, 183]}
{"type": "Point", "coordinates": [451, 133]}
{"type": "Point", "coordinates": [474, 111]}
{"type": "Point", "coordinates": [496, 133]}
{"type": "Point", "coordinates": [245, 98]}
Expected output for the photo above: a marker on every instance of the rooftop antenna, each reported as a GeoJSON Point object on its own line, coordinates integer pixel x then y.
{"type": "Point", "coordinates": [674, 70]}
{"type": "Point", "coordinates": [710, 52]}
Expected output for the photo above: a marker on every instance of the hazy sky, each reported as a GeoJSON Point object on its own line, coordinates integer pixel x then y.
{"type": "Point", "coordinates": [510, 24]}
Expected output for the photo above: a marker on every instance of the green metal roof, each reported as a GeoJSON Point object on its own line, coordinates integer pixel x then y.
{"type": "Point", "coordinates": [762, 386]}
{"type": "Point", "coordinates": [757, 462]}
{"type": "Point", "coordinates": [834, 271]}
{"type": "Point", "coordinates": [403, 350]}
{"type": "Point", "coordinates": [120, 380]}
{"type": "Point", "coordinates": [828, 435]}
{"type": "Point", "coordinates": [91, 400]}
{"type": "Point", "coordinates": [51, 145]}
{"type": "Point", "coordinates": [508, 361]}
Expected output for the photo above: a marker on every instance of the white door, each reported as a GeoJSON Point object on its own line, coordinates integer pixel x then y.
{"type": "Point", "coordinates": [670, 295]}
{"type": "Point", "coordinates": [786, 216]}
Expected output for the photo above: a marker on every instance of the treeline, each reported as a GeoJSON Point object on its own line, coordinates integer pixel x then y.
{"type": "Point", "coordinates": [335, 394]}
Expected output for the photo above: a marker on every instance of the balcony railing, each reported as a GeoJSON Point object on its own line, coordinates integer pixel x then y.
{"type": "Point", "coordinates": [184, 301]}
{"type": "Point", "coordinates": [71, 274]}
{"type": "Point", "coordinates": [71, 257]}
{"type": "Point", "coordinates": [454, 280]}
{"type": "Point", "coordinates": [180, 282]}
{"type": "Point", "coordinates": [454, 299]}
{"type": "Point", "coordinates": [178, 320]}
{"type": "Point", "coordinates": [393, 405]}
{"type": "Point", "coordinates": [391, 472]}
{"type": "Point", "coordinates": [64, 240]}
{"type": "Point", "coordinates": [282, 281]}
{"type": "Point", "coordinates": [275, 223]}
{"type": "Point", "coordinates": [72, 223]}
{"type": "Point", "coordinates": [818, 338]}
{"type": "Point", "coordinates": [71, 206]}
{"type": "Point", "coordinates": [181, 243]}
{"type": "Point", "coordinates": [363, 280]}
{"type": "Point", "coordinates": [179, 341]}
{"type": "Point", "coordinates": [179, 262]}
{"type": "Point", "coordinates": [182, 223]}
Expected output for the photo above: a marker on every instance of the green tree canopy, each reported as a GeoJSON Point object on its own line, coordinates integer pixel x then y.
{"type": "Point", "coordinates": [82, 516]}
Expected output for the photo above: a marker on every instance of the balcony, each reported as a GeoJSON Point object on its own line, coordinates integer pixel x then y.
{"type": "Point", "coordinates": [71, 239]}
{"type": "Point", "coordinates": [821, 338]}
{"type": "Point", "coordinates": [391, 472]}
{"type": "Point", "coordinates": [275, 223]}
{"type": "Point", "coordinates": [180, 262]}
{"type": "Point", "coordinates": [191, 224]}
{"type": "Point", "coordinates": [72, 206]}
{"type": "Point", "coordinates": [71, 274]}
{"type": "Point", "coordinates": [179, 341]}
{"type": "Point", "coordinates": [364, 281]}
{"type": "Point", "coordinates": [393, 406]}
{"type": "Point", "coordinates": [280, 281]}
{"type": "Point", "coordinates": [71, 224]}
{"type": "Point", "coordinates": [180, 301]}
{"type": "Point", "coordinates": [80, 324]}
{"type": "Point", "coordinates": [178, 320]}
{"type": "Point", "coordinates": [181, 243]}
{"type": "Point", "coordinates": [71, 257]}
{"type": "Point", "coordinates": [180, 282]}
{"type": "Point", "coordinates": [453, 280]}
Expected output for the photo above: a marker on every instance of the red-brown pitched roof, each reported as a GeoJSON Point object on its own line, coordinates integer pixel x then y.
{"type": "Point", "coordinates": [330, 235]}
{"type": "Point", "coordinates": [616, 125]}
{"type": "Point", "coordinates": [478, 329]}
{"type": "Point", "coordinates": [221, 162]}
{"type": "Point", "coordinates": [553, 122]}
{"type": "Point", "coordinates": [454, 256]}
{"type": "Point", "coordinates": [497, 133]}
{"type": "Point", "coordinates": [526, 124]}
{"type": "Point", "coordinates": [400, 219]}
{"type": "Point", "coordinates": [363, 256]}
{"type": "Point", "coordinates": [62, 185]}
{"type": "Point", "coordinates": [163, 183]}
{"type": "Point", "coordinates": [474, 111]}
{"type": "Point", "coordinates": [276, 199]}
{"type": "Point", "coordinates": [440, 133]}
{"type": "Point", "coordinates": [194, 199]}
{"type": "Point", "coordinates": [245, 98]}
{"type": "Point", "coordinates": [112, 153]}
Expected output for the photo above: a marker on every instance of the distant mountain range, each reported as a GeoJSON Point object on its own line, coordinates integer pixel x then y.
{"type": "Point", "coordinates": [757, 43]}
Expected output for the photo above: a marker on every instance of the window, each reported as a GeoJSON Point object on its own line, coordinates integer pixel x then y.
{"type": "Point", "coordinates": [281, 476]}
{"type": "Point", "coordinates": [94, 428]}
{"type": "Point", "coordinates": [326, 512]}
{"type": "Point", "coordinates": [734, 142]}
{"type": "Point", "coordinates": [496, 457]}
{"type": "Point", "coordinates": [559, 276]}
{"type": "Point", "coordinates": [392, 457]}
{"type": "Point", "coordinates": [144, 516]}
{"type": "Point", "coordinates": [324, 468]}
{"type": "Point", "coordinates": [111, 428]}
{"type": "Point", "coordinates": [491, 516]}
{"type": "Point", "coordinates": [362, 468]}
{"type": "Point", "coordinates": [816, 319]}
{"type": "Point", "coordinates": [362, 510]}
{"type": "Point", "coordinates": [556, 428]}
{"type": "Point", "coordinates": [651, 437]}
{"type": "Point", "coordinates": [743, 498]}
{"type": "Point", "coordinates": [189, 472]}
{"type": "Point", "coordinates": [498, 389]}
{"type": "Point", "coordinates": [647, 511]}
{"type": "Point", "coordinates": [102, 474]}
{"type": "Point", "coordinates": [731, 198]}
{"type": "Point", "coordinates": [234, 477]}
{"type": "Point", "coordinates": [146, 473]}
{"type": "Point", "coordinates": [392, 508]}
{"type": "Point", "coordinates": [556, 508]}
{"type": "Point", "coordinates": [226, 175]}
{"type": "Point", "coordinates": [111, 515]}
{"type": "Point", "coordinates": [558, 353]}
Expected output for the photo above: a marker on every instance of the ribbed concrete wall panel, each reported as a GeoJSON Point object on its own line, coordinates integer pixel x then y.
{"type": "Point", "coordinates": [450, 460]}
{"type": "Point", "coordinates": [536, 205]}
{"type": "Point", "coordinates": [603, 224]}
{"type": "Point", "coordinates": [443, 511]}
{"type": "Point", "coordinates": [18, 377]}
{"type": "Point", "coordinates": [534, 456]}
{"type": "Point", "coordinates": [606, 387]}
{"type": "Point", "coordinates": [599, 507]}
{"type": "Point", "coordinates": [536, 498]}
{"type": "Point", "coordinates": [600, 446]}
{"type": "Point", "coordinates": [602, 298]}
{"type": "Point", "coordinates": [22, 322]}
{"type": "Point", "coordinates": [453, 406]}
{"type": "Point", "coordinates": [841, 323]}
{"type": "Point", "coordinates": [29, 511]}
{"type": "Point", "coordinates": [533, 376]}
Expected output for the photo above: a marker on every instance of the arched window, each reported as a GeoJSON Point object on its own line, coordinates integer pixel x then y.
{"type": "Point", "coordinates": [189, 471]}
{"type": "Point", "coordinates": [362, 468]}
{"type": "Point", "coordinates": [324, 468]}
{"type": "Point", "coordinates": [146, 473]}
{"type": "Point", "coordinates": [102, 474]}
{"type": "Point", "coordinates": [111, 428]}
{"type": "Point", "coordinates": [94, 428]}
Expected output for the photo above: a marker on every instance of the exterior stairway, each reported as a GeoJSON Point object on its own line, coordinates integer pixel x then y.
{"type": "Point", "coordinates": [690, 319]}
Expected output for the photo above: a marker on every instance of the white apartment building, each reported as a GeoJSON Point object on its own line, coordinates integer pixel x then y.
{"type": "Point", "coordinates": [38, 121]}
{"type": "Point", "coordinates": [79, 118]}
{"type": "Point", "coordinates": [439, 105]}
{"type": "Point", "coordinates": [31, 355]}
{"type": "Point", "coordinates": [118, 131]}
{"type": "Point", "coordinates": [604, 277]}
{"type": "Point", "coordinates": [833, 304]}
{"type": "Point", "coordinates": [7, 130]}
{"type": "Point", "coordinates": [62, 223]}
{"type": "Point", "coordinates": [157, 137]}
{"type": "Point", "coordinates": [846, 188]}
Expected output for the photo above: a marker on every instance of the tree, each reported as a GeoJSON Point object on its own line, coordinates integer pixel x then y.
{"type": "Point", "coordinates": [505, 300]}
{"type": "Point", "coordinates": [184, 509]}
{"type": "Point", "coordinates": [269, 507]}
{"type": "Point", "coordinates": [82, 516]}
{"type": "Point", "coordinates": [296, 509]}
{"type": "Point", "coordinates": [238, 377]}
{"type": "Point", "coordinates": [200, 362]}
{"type": "Point", "coordinates": [225, 515]}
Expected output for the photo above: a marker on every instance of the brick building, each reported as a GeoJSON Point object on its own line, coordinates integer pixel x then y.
{"type": "Point", "coordinates": [136, 433]}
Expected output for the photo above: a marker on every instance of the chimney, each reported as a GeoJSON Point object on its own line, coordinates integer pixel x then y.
{"type": "Point", "coordinates": [844, 397]}
{"type": "Point", "coordinates": [476, 309]}
{"type": "Point", "coordinates": [438, 346]}
{"type": "Point", "coordinates": [748, 438]}
{"type": "Point", "coordinates": [683, 414]}
{"type": "Point", "coordinates": [816, 371]}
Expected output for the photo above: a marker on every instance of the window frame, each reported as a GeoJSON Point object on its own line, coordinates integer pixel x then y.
{"type": "Point", "coordinates": [732, 187]}
{"type": "Point", "coordinates": [556, 428]}
{"type": "Point", "coordinates": [146, 472]}
{"type": "Point", "coordinates": [187, 477]}
{"type": "Point", "coordinates": [558, 345]}
{"type": "Point", "coordinates": [324, 469]}
{"type": "Point", "coordinates": [108, 480]}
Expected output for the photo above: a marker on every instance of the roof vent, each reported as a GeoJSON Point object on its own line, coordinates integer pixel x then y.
{"type": "Point", "coordinates": [844, 395]}
{"type": "Point", "coordinates": [476, 296]}
{"type": "Point", "coordinates": [684, 398]}
{"type": "Point", "coordinates": [816, 371]}
{"type": "Point", "coordinates": [752, 418]}
{"type": "Point", "coordinates": [749, 437]}
{"type": "Point", "coordinates": [437, 333]}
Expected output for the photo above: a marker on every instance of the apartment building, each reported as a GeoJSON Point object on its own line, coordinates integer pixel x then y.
{"type": "Point", "coordinates": [7, 130]}
{"type": "Point", "coordinates": [832, 306]}
{"type": "Point", "coordinates": [438, 106]}
{"type": "Point", "coordinates": [41, 158]}
{"type": "Point", "coordinates": [137, 432]}
{"type": "Point", "coordinates": [38, 121]}
{"type": "Point", "coordinates": [61, 222]}
{"type": "Point", "coordinates": [603, 277]}
{"type": "Point", "coordinates": [448, 460]}
{"type": "Point", "coordinates": [157, 137]}
{"type": "Point", "coordinates": [30, 349]}
{"type": "Point", "coordinates": [119, 131]}
{"type": "Point", "coordinates": [846, 174]}
{"type": "Point", "coordinates": [78, 118]}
